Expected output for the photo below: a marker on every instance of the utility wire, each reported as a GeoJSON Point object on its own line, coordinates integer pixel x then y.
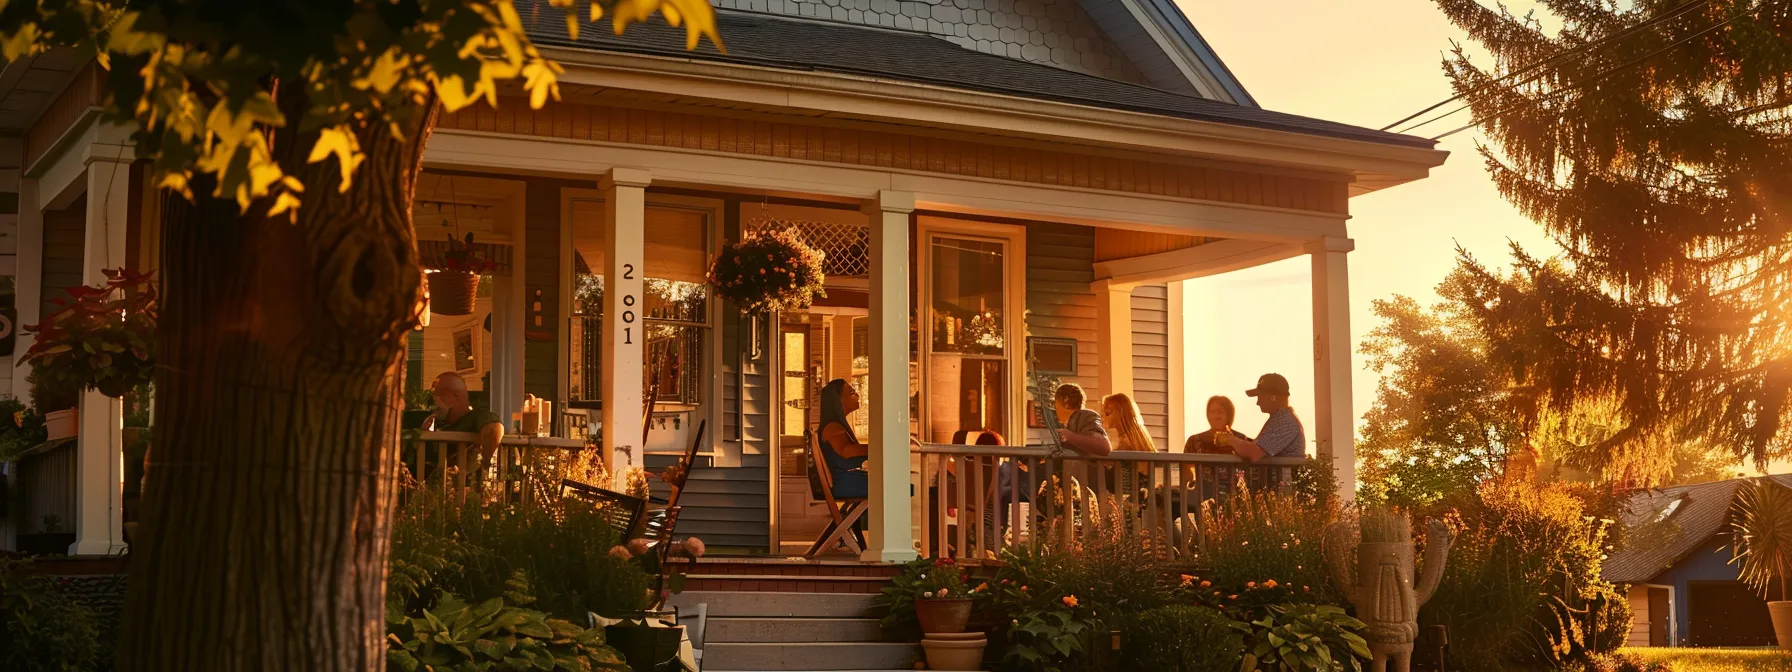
{"type": "Point", "coordinates": [1605, 73]}
{"type": "Point", "coordinates": [1620, 35]}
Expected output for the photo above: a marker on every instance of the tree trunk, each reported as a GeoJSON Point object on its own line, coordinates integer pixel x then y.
{"type": "Point", "coordinates": [270, 494]}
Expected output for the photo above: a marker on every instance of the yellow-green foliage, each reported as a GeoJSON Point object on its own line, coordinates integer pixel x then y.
{"type": "Point", "coordinates": [195, 77]}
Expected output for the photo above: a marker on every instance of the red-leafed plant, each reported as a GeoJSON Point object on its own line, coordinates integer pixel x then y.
{"type": "Point", "coordinates": [463, 257]}
{"type": "Point", "coordinates": [99, 337]}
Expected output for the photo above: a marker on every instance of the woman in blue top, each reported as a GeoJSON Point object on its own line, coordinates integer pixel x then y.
{"type": "Point", "coordinates": [840, 447]}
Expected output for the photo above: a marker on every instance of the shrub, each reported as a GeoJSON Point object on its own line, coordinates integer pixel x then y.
{"type": "Point", "coordinates": [1047, 639]}
{"type": "Point", "coordinates": [496, 634]}
{"type": "Point", "coordinates": [1182, 639]}
{"type": "Point", "coordinates": [473, 551]}
{"type": "Point", "coordinates": [923, 579]}
{"type": "Point", "coordinates": [41, 628]}
{"type": "Point", "coordinates": [21, 429]}
{"type": "Point", "coordinates": [1305, 638]}
{"type": "Point", "coordinates": [1522, 586]}
{"type": "Point", "coordinates": [1267, 548]}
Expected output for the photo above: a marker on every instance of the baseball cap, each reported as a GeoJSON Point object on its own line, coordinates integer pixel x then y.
{"type": "Point", "coordinates": [1270, 383]}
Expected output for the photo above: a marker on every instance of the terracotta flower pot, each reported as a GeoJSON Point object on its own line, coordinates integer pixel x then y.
{"type": "Point", "coordinates": [954, 654]}
{"type": "Point", "coordinates": [62, 424]}
{"type": "Point", "coordinates": [1781, 613]}
{"type": "Point", "coordinates": [943, 615]}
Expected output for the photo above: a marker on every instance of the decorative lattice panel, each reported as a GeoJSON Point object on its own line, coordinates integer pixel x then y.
{"type": "Point", "coordinates": [847, 246]}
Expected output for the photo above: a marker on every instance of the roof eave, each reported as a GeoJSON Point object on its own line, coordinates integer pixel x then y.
{"type": "Point", "coordinates": [1370, 166]}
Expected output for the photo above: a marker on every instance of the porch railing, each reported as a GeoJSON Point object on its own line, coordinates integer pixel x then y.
{"type": "Point", "coordinates": [980, 500]}
{"type": "Point", "coordinates": [455, 460]}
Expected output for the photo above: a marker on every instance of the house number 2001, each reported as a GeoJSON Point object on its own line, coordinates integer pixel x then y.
{"type": "Point", "coordinates": [628, 316]}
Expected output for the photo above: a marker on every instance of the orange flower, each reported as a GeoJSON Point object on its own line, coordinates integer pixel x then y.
{"type": "Point", "coordinates": [1069, 601]}
{"type": "Point", "coordinates": [1269, 584]}
{"type": "Point", "coordinates": [1206, 584]}
{"type": "Point", "coordinates": [1250, 585]}
{"type": "Point", "coordinates": [1231, 597]}
{"type": "Point", "coordinates": [1186, 580]}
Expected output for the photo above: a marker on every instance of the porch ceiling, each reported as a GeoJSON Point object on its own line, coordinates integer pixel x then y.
{"type": "Point", "coordinates": [28, 85]}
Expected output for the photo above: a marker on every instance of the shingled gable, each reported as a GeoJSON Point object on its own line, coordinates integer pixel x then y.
{"type": "Point", "coordinates": [1657, 538]}
{"type": "Point", "coordinates": [769, 41]}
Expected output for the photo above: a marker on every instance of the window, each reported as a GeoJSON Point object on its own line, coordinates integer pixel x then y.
{"type": "Point", "coordinates": [968, 374]}
{"type": "Point", "coordinates": [675, 296]}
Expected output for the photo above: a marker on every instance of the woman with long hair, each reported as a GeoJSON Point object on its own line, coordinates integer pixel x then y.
{"type": "Point", "coordinates": [840, 447]}
{"type": "Point", "coordinates": [1126, 429]}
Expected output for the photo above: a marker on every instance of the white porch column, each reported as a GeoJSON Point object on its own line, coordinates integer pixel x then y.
{"type": "Point", "coordinates": [99, 468]}
{"type": "Point", "coordinates": [1178, 396]}
{"type": "Point", "coordinates": [1113, 337]}
{"type": "Point", "coordinates": [1335, 421]}
{"type": "Point", "coordinates": [890, 537]}
{"type": "Point", "coordinates": [625, 215]}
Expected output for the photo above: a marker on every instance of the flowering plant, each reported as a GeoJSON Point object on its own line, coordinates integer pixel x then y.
{"type": "Point", "coordinates": [462, 257]}
{"type": "Point", "coordinates": [654, 558]}
{"type": "Point", "coordinates": [926, 579]}
{"type": "Point", "coordinates": [768, 271]}
{"type": "Point", "coordinates": [99, 337]}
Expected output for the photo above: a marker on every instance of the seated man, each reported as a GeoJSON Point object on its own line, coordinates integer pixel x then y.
{"type": "Point", "coordinates": [1082, 430]}
{"type": "Point", "coordinates": [1282, 435]}
{"type": "Point", "coordinates": [455, 413]}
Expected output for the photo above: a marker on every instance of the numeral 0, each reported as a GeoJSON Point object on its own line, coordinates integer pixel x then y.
{"type": "Point", "coordinates": [628, 299]}
{"type": "Point", "coordinates": [628, 317]}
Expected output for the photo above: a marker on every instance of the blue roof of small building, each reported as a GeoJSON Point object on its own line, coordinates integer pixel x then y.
{"type": "Point", "coordinates": [1659, 533]}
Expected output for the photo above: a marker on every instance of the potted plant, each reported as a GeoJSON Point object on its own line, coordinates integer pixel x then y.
{"type": "Point", "coordinates": [100, 338]}
{"type": "Point", "coordinates": [52, 388]}
{"type": "Point", "coordinates": [21, 428]}
{"type": "Point", "coordinates": [454, 289]}
{"type": "Point", "coordinates": [768, 271]}
{"type": "Point", "coordinates": [1761, 539]}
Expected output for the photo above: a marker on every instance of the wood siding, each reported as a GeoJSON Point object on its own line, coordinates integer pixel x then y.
{"type": "Point", "coordinates": [65, 235]}
{"type": "Point", "coordinates": [543, 359]}
{"type": "Point", "coordinates": [1111, 244]}
{"type": "Point", "coordinates": [1060, 301]}
{"type": "Point", "coordinates": [1639, 617]}
{"type": "Point", "coordinates": [788, 138]}
{"type": "Point", "coordinates": [81, 95]}
{"type": "Point", "coordinates": [1151, 361]}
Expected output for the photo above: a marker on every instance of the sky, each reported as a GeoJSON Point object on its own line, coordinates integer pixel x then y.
{"type": "Point", "coordinates": [1365, 63]}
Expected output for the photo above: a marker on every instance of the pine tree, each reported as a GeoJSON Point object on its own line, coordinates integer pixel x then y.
{"type": "Point", "coordinates": [1661, 161]}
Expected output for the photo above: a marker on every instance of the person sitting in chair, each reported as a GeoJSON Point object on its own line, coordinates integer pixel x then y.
{"type": "Point", "coordinates": [840, 447]}
{"type": "Point", "coordinates": [455, 413]}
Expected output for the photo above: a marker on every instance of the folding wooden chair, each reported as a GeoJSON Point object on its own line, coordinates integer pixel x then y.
{"type": "Point", "coordinates": [821, 484]}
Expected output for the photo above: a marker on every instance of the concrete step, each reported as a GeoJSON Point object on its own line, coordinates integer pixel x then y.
{"type": "Point", "coordinates": [732, 630]}
{"type": "Point", "coordinates": [778, 605]}
{"type": "Point", "coordinates": [810, 656]}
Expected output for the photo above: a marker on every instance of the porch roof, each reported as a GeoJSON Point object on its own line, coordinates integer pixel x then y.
{"type": "Point", "coordinates": [795, 44]}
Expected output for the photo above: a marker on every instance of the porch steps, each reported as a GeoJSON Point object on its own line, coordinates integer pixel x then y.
{"type": "Point", "coordinates": [759, 630]}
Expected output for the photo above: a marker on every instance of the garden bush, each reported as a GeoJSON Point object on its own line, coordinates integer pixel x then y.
{"type": "Point", "coordinates": [41, 629]}
{"type": "Point", "coordinates": [1305, 638]}
{"type": "Point", "coordinates": [1522, 588]}
{"type": "Point", "coordinates": [501, 633]}
{"type": "Point", "coordinates": [473, 551]}
{"type": "Point", "coordinates": [1181, 638]}
{"type": "Point", "coordinates": [1266, 548]}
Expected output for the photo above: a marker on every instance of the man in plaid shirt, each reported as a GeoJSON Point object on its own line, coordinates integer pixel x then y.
{"type": "Point", "coordinates": [1282, 434]}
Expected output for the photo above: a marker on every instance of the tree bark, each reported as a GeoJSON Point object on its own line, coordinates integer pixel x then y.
{"type": "Point", "coordinates": [272, 482]}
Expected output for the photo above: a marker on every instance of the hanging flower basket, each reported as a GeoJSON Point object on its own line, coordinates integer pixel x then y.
{"type": "Point", "coordinates": [453, 292]}
{"type": "Point", "coordinates": [101, 338]}
{"type": "Point", "coordinates": [768, 271]}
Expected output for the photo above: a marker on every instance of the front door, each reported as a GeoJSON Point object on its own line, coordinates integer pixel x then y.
{"type": "Point", "coordinates": [800, 345]}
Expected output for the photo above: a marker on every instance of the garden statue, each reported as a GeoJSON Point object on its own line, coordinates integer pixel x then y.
{"type": "Point", "coordinates": [1380, 580]}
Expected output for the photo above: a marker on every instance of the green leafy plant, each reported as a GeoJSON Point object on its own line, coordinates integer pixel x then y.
{"type": "Point", "coordinates": [1761, 528]}
{"type": "Point", "coordinates": [100, 337]}
{"type": "Point", "coordinates": [53, 390]}
{"type": "Point", "coordinates": [1304, 638]}
{"type": "Point", "coordinates": [1049, 639]}
{"type": "Point", "coordinates": [768, 271]}
{"type": "Point", "coordinates": [42, 629]}
{"type": "Point", "coordinates": [496, 634]}
{"type": "Point", "coordinates": [21, 428]}
{"type": "Point", "coordinates": [1182, 638]}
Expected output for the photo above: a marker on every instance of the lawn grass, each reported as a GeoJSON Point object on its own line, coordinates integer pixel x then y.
{"type": "Point", "coordinates": [1717, 660]}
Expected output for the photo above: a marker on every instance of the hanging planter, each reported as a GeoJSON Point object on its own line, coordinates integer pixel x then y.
{"type": "Point", "coordinates": [454, 289]}
{"type": "Point", "coordinates": [768, 271]}
{"type": "Point", "coordinates": [100, 338]}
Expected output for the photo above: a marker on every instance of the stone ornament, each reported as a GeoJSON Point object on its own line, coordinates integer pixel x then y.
{"type": "Point", "coordinates": [1378, 580]}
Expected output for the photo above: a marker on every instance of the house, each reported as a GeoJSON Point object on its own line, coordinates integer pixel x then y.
{"type": "Point", "coordinates": [1028, 181]}
{"type": "Point", "coordinates": [1675, 565]}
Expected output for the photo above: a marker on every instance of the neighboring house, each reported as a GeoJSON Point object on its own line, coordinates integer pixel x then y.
{"type": "Point", "coordinates": [1025, 180]}
{"type": "Point", "coordinates": [1676, 564]}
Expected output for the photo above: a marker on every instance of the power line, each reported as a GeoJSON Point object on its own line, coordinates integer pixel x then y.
{"type": "Point", "coordinates": [1620, 35]}
{"type": "Point", "coordinates": [1608, 71]}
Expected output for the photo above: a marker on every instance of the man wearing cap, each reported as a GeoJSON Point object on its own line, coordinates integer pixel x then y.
{"type": "Point", "coordinates": [1282, 435]}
